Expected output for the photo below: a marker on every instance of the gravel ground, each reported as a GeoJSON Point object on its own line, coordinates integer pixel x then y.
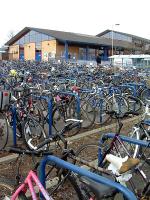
{"type": "Point", "coordinates": [8, 170]}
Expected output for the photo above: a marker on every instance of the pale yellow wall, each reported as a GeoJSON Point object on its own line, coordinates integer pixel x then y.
{"type": "Point", "coordinates": [29, 51]}
{"type": "Point", "coordinates": [14, 51]}
{"type": "Point", "coordinates": [48, 48]}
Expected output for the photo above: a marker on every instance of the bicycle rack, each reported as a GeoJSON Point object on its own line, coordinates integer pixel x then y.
{"type": "Point", "coordinates": [50, 110]}
{"type": "Point", "coordinates": [83, 172]}
{"type": "Point", "coordinates": [77, 100]}
{"type": "Point", "coordinates": [14, 125]}
{"type": "Point", "coordinates": [123, 138]}
{"type": "Point", "coordinates": [127, 139]}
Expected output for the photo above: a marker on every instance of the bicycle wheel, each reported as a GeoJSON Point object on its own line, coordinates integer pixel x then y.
{"type": "Point", "coordinates": [4, 131]}
{"type": "Point", "coordinates": [135, 104]}
{"type": "Point", "coordinates": [145, 95]}
{"type": "Point", "coordinates": [100, 110]}
{"type": "Point", "coordinates": [6, 188]}
{"type": "Point", "coordinates": [118, 104]}
{"type": "Point", "coordinates": [62, 184]}
{"type": "Point", "coordinates": [36, 113]}
{"type": "Point", "coordinates": [87, 113]}
{"type": "Point", "coordinates": [89, 153]}
{"type": "Point", "coordinates": [33, 133]}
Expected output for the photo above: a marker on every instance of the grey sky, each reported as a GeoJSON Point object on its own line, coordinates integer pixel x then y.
{"type": "Point", "coordinates": [81, 16]}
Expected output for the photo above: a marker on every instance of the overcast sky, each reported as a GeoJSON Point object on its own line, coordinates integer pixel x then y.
{"type": "Point", "coordinates": [80, 16]}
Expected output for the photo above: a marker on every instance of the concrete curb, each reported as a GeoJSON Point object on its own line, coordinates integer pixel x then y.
{"type": "Point", "coordinates": [12, 157]}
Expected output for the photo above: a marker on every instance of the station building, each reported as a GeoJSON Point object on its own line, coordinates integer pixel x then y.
{"type": "Point", "coordinates": [43, 44]}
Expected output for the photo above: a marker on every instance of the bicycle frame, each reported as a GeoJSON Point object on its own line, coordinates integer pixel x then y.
{"type": "Point", "coordinates": [28, 183]}
{"type": "Point", "coordinates": [120, 139]}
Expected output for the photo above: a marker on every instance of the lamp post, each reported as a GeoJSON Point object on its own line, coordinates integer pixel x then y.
{"type": "Point", "coordinates": [112, 39]}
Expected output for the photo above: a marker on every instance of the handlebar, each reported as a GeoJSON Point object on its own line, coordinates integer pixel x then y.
{"type": "Point", "coordinates": [27, 152]}
{"type": "Point", "coordinates": [59, 135]}
{"type": "Point", "coordinates": [117, 116]}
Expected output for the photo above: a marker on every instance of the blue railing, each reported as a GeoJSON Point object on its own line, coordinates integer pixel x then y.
{"type": "Point", "coordinates": [82, 172]}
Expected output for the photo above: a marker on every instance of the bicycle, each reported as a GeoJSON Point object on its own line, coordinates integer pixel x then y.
{"type": "Point", "coordinates": [118, 148]}
{"type": "Point", "coordinates": [19, 189]}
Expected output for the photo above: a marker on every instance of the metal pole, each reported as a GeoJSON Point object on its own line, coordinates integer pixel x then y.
{"type": "Point", "coordinates": [14, 125]}
{"type": "Point", "coordinates": [112, 42]}
{"type": "Point", "coordinates": [95, 177]}
{"type": "Point", "coordinates": [50, 110]}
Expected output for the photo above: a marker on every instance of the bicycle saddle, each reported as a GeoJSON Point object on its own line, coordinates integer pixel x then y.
{"type": "Point", "coordinates": [99, 190]}
{"type": "Point", "coordinates": [128, 165]}
{"type": "Point", "coordinates": [122, 165]}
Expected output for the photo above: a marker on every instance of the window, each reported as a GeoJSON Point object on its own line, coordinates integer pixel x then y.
{"type": "Point", "coordinates": [34, 37]}
{"type": "Point", "coordinates": [118, 36]}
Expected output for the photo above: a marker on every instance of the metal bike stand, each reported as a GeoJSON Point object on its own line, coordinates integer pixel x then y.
{"type": "Point", "coordinates": [83, 172]}
{"type": "Point", "coordinates": [127, 139]}
{"type": "Point", "coordinates": [77, 101]}
{"type": "Point", "coordinates": [14, 126]}
{"type": "Point", "coordinates": [50, 110]}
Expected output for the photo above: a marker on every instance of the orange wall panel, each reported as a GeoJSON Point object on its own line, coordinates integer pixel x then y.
{"type": "Point", "coordinates": [29, 51]}
{"type": "Point", "coordinates": [48, 49]}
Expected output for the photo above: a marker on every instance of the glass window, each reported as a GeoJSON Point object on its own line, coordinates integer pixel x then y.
{"type": "Point", "coordinates": [44, 37]}
{"type": "Point", "coordinates": [118, 36]}
{"type": "Point", "coordinates": [32, 38]}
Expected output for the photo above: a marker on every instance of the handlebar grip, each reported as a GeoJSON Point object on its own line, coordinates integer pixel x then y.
{"type": "Point", "coordinates": [16, 150]}
{"type": "Point", "coordinates": [28, 152]}
{"type": "Point", "coordinates": [71, 126]}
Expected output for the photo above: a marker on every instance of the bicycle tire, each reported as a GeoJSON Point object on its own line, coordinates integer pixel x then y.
{"type": "Point", "coordinates": [87, 113]}
{"type": "Point", "coordinates": [91, 158]}
{"type": "Point", "coordinates": [4, 131]}
{"type": "Point", "coordinates": [101, 116]}
{"type": "Point", "coordinates": [118, 103]}
{"type": "Point", "coordinates": [69, 180]}
{"type": "Point", "coordinates": [145, 95]}
{"type": "Point", "coordinates": [135, 104]}
{"type": "Point", "coordinates": [33, 133]}
{"type": "Point", "coordinates": [37, 113]}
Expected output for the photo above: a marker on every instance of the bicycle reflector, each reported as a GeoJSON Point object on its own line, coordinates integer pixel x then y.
{"type": "Point", "coordinates": [5, 94]}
